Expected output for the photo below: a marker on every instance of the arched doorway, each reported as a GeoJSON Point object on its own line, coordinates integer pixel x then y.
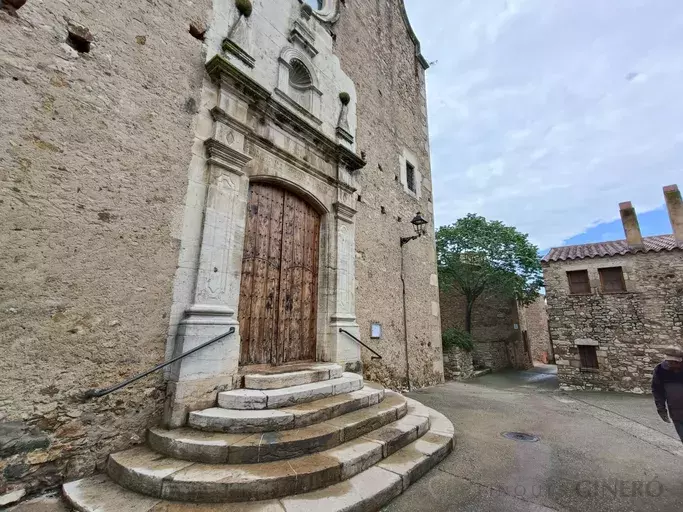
{"type": "Point", "coordinates": [279, 287]}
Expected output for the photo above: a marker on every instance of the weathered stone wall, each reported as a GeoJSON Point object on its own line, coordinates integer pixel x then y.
{"type": "Point", "coordinates": [94, 152]}
{"type": "Point", "coordinates": [629, 329]}
{"type": "Point", "coordinates": [534, 320]}
{"type": "Point", "coordinates": [375, 48]}
{"type": "Point", "coordinates": [498, 345]}
{"type": "Point", "coordinates": [457, 364]}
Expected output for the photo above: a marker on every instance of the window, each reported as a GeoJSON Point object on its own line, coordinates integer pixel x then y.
{"type": "Point", "coordinates": [589, 357]}
{"type": "Point", "coordinates": [612, 280]}
{"type": "Point", "coordinates": [410, 176]}
{"type": "Point", "coordinates": [578, 282]}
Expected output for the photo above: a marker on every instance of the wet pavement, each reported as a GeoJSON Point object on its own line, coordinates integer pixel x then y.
{"type": "Point", "coordinates": [596, 451]}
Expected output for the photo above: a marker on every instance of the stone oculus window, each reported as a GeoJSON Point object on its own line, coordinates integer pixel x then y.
{"type": "Point", "coordinates": [612, 280]}
{"type": "Point", "coordinates": [325, 10]}
{"type": "Point", "coordinates": [579, 284]}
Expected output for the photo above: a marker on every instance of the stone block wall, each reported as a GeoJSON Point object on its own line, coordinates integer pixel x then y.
{"type": "Point", "coordinates": [457, 364]}
{"type": "Point", "coordinates": [498, 345]}
{"type": "Point", "coordinates": [94, 154]}
{"type": "Point", "coordinates": [534, 320]}
{"type": "Point", "coordinates": [629, 330]}
{"type": "Point", "coordinates": [375, 45]}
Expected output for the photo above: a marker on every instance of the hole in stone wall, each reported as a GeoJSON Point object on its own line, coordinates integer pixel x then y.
{"type": "Point", "coordinates": [395, 177]}
{"type": "Point", "coordinates": [398, 219]}
{"type": "Point", "coordinates": [197, 31]}
{"type": "Point", "coordinates": [79, 38]}
{"type": "Point", "coordinates": [379, 166]}
{"type": "Point", "coordinates": [359, 199]}
{"type": "Point", "coordinates": [383, 210]}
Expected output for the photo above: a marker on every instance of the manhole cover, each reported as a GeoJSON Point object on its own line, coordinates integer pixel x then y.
{"type": "Point", "coordinates": [520, 436]}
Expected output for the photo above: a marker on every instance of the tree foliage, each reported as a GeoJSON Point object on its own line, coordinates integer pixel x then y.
{"type": "Point", "coordinates": [477, 256]}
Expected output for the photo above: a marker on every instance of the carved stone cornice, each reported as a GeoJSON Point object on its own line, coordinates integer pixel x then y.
{"type": "Point", "coordinates": [345, 213]}
{"type": "Point", "coordinates": [226, 157]}
{"type": "Point", "coordinates": [263, 102]}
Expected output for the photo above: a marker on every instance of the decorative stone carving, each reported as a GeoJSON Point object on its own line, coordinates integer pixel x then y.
{"type": "Point", "coordinates": [304, 97]}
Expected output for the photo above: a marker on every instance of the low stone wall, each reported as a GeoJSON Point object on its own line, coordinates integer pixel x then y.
{"type": "Point", "coordinates": [457, 364]}
{"type": "Point", "coordinates": [492, 355]}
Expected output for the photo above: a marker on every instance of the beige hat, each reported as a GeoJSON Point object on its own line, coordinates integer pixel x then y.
{"type": "Point", "coordinates": [673, 353]}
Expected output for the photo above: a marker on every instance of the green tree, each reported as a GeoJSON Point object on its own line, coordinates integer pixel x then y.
{"type": "Point", "coordinates": [477, 256]}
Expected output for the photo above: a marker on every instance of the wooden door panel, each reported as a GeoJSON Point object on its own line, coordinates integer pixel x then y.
{"type": "Point", "coordinates": [278, 294]}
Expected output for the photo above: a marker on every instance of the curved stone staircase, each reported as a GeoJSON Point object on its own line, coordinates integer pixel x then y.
{"type": "Point", "coordinates": [311, 439]}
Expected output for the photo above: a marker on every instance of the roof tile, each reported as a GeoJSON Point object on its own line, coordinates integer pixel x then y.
{"type": "Point", "coordinates": [613, 248]}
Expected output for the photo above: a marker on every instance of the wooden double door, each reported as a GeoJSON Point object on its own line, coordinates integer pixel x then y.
{"type": "Point", "coordinates": [278, 293]}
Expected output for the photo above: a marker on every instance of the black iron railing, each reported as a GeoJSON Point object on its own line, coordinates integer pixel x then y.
{"type": "Point", "coordinates": [96, 393]}
{"type": "Point", "coordinates": [375, 357]}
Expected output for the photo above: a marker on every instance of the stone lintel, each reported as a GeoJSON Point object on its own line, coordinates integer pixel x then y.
{"type": "Point", "coordinates": [586, 342]}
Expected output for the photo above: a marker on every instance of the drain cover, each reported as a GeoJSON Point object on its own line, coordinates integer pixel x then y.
{"type": "Point", "coordinates": [521, 436]}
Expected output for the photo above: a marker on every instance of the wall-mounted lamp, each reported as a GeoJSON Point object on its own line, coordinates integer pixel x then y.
{"type": "Point", "coordinates": [420, 225]}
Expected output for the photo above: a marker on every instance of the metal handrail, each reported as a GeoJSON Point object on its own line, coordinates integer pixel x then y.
{"type": "Point", "coordinates": [375, 357]}
{"type": "Point", "coordinates": [97, 393]}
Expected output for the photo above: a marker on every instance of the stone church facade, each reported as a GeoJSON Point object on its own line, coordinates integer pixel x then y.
{"type": "Point", "coordinates": [614, 306]}
{"type": "Point", "coordinates": [170, 173]}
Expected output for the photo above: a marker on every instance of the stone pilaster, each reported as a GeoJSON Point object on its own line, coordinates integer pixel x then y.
{"type": "Point", "coordinates": [195, 380]}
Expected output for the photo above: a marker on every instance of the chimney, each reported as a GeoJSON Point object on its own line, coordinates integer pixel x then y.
{"type": "Point", "coordinates": [674, 204]}
{"type": "Point", "coordinates": [631, 227]}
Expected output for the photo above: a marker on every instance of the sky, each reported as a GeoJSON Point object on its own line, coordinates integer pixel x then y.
{"type": "Point", "coordinates": [546, 114]}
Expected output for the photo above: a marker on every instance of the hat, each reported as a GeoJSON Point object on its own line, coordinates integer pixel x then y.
{"type": "Point", "coordinates": [673, 353]}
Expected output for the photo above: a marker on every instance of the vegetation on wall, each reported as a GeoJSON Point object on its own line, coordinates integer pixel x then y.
{"type": "Point", "coordinates": [477, 256]}
{"type": "Point", "coordinates": [244, 7]}
{"type": "Point", "coordinates": [457, 338]}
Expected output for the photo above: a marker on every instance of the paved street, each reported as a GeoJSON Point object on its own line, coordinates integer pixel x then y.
{"type": "Point", "coordinates": [597, 451]}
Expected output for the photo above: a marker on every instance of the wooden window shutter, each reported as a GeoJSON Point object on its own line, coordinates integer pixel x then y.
{"type": "Point", "coordinates": [588, 356]}
{"type": "Point", "coordinates": [578, 282]}
{"type": "Point", "coordinates": [612, 280]}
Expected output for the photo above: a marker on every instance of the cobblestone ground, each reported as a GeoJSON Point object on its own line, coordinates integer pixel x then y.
{"type": "Point", "coordinates": [597, 451]}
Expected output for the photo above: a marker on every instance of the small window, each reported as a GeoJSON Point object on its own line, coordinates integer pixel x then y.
{"type": "Point", "coordinates": [578, 282]}
{"type": "Point", "coordinates": [612, 280]}
{"type": "Point", "coordinates": [410, 176]}
{"type": "Point", "coordinates": [589, 357]}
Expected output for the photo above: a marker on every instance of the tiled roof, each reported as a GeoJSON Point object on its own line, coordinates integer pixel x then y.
{"type": "Point", "coordinates": [614, 248]}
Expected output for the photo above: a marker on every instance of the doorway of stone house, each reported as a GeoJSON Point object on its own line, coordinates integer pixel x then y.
{"type": "Point", "coordinates": [279, 286]}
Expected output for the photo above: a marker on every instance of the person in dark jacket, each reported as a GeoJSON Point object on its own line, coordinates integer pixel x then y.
{"type": "Point", "coordinates": [667, 388]}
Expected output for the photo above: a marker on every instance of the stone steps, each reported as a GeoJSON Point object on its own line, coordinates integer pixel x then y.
{"type": "Point", "coordinates": [144, 471]}
{"type": "Point", "coordinates": [255, 399]}
{"type": "Point", "coordinates": [219, 448]}
{"type": "Point", "coordinates": [316, 373]}
{"type": "Point", "coordinates": [367, 491]}
{"type": "Point", "coordinates": [218, 419]}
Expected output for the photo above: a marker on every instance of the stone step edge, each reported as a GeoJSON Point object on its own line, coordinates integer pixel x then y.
{"type": "Point", "coordinates": [367, 491]}
{"type": "Point", "coordinates": [142, 470]}
{"type": "Point", "coordinates": [270, 446]}
{"type": "Point", "coordinates": [254, 399]}
{"type": "Point", "coordinates": [264, 381]}
{"type": "Point", "coordinates": [287, 418]}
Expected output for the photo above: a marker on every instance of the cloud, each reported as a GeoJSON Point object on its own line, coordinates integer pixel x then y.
{"type": "Point", "coordinates": [546, 114]}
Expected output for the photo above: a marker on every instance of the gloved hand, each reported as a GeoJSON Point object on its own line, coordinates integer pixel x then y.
{"type": "Point", "coordinates": [664, 415]}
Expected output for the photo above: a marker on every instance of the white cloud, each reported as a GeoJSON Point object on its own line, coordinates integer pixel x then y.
{"type": "Point", "coordinates": [546, 114]}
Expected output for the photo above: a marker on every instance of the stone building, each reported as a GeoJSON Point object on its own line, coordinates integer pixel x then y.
{"type": "Point", "coordinates": [169, 171]}
{"type": "Point", "coordinates": [613, 306]}
{"type": "Point", "coordinates": [506, 334]}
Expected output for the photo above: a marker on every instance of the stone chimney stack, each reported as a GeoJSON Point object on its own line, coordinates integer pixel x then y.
{"type": "Point", "coordinates": [631, 227]}
{"type": "Point", "coordinates": [675, 206]}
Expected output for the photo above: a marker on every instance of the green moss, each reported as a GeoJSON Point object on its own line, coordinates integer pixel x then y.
{"type": "Point", "coordinates": [344, 98]}
{"type": "Point", "coordinates": [244, 7]}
